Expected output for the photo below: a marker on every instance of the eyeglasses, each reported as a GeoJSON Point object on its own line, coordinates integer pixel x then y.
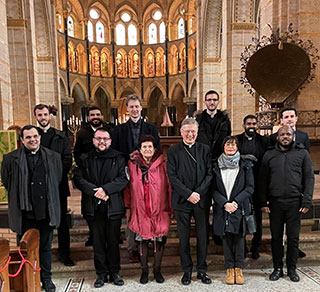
{"type": "Point", "coordinates": [212, 99]}
{"type": "Point", "coordinates": [99, 139]}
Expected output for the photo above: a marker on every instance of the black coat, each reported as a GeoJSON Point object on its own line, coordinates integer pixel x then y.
{"type": "Point", "coordinates": [214, 139]}
{"type": "Point", "coordinates": [112, 178]}
{"type": "Point", "coordinates": [60, 144]}
{"type": "Point", "coordinates": [176, 169]}
{"type": "Point", "coordinates": [84, 138]}
{"type": "Point", "coordinates": [122, 138]}
{"type": "Point", "coordinates": [242, 191]}
{"type": "Point", "coordinates": [300, 137]}
{"type": "Point", "coordinates": [286, 175]}
{"type": "Point", "coordinates": [11, 166]}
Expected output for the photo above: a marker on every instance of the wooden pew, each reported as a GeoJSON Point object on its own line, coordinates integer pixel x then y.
{"type": "Point", "coordinates": [4, 255]}
{"type": "Point", "coordinates": [28, 279]}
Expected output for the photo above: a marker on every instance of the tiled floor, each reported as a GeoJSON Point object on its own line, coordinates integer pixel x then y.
{"type": "Point", "coordinates": [256, 280]}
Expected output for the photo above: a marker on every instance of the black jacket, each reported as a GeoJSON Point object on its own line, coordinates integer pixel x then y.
{"type": "Point", "coordinates": [112, 178]}
{"type": "Point", "coordinates": [287, 175]}
{"type": "Point", "coordinates": [214, 139]}
{"type": "Point", "coordinates": [241, 193]}
{"type": "Point", "coordinates": [122, 138]}
{"type": "Point", "coordinates": [84, 140]}
{"type": "Point", "coordinates": [12, 166]}
{"type": "Point", "coordinates": [300, 137]}
{"type": "Point", "coordinates": [60, 144]}
{"type": "Point", "coordinates": [177, 168]}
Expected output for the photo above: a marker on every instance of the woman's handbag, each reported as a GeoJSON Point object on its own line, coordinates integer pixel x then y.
{"type": "Point", "coordinates": [249, 221]}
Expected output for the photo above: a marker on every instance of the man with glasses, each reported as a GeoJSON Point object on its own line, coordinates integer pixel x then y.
{"type": "Point", "coordinates": [100, 175]}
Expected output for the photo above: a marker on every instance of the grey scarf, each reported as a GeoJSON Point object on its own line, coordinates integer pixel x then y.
{"type": "Point", "coordinates": [226, 161]}
{"type": "Point", "coordinates": [24, 200]}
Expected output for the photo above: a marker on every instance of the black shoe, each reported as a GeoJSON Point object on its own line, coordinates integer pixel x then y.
{"type": "Point", "coordinates": [255, 254]}
{"type": "Point", "coordinates": [66, 261]}
{"type": "Point", "coordinates": [89, 242]}
{"type": "Point", "coordinates": [116, 279]}
{"type": "Point", "coordinates": [276, 274]}
{"type": "Point", "coordinates": [101, 279]}
{"type": "Point", "coordinates": [186, 278]}
{"type": "Point", "coordinates": [158, 276]}
{"type": "Point", "coordinates": [144, 277]}
{"type": "Point", "coordinates": [48, 286]}
{"type": "Point", "coordinates": [302, 254]}
{"type": "Point", "coordinates": [204, 278]}
{"type": "Point", "coordinates": [292, 274]}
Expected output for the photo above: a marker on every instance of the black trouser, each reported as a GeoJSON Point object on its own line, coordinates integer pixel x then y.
{"type": "Point", "coordinates": [63, 230]}
{"type": "Point", "coordinates": [183, 223]}
{"type": "Point", "coordinates": [257, 236]}
{"type": "Point", "coordinates": [233, 247]}
{"type": "Point", "coordinates": [46, 237]}
{"type": "Point", "coordinates": [106, 235]}
{"type": "Point", "coordinates": [90, 221]}
{"type": "Point", "coordinates": [285, 213]}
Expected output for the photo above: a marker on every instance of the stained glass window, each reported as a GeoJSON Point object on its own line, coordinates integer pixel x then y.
{"type": "Point", "coordinates": [152, 33]}
{"type": "Point", "coordinates": [94, 14]}
{"type": "Point", "coordinates": [59, 23]}
{"type": "Point", "coordinates": [120, 35]}
{"type": "Point", "coordinates": [70, 26]}
{"type": "Point", "coordinates": [162, 30]}
{"type": "Point", "coordinates": [100, 32]}
{"type": "Point", "coordinates": [132, 35]}
{"type": "Point", "coordinates": [181, 28]}
{"type": "Point", "coordinates": [90, 31]}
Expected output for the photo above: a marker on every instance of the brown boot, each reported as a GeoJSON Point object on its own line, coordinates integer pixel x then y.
{"type": "Point", "coordinates": [230, 277]}
{"type": "Point", "coordinates": [239, 276]}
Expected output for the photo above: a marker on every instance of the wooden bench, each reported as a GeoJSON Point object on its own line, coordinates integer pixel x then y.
{"type": "Point", "coordinates": [28, 279]}
{"type": "Point", "coordinates": [4, 256]}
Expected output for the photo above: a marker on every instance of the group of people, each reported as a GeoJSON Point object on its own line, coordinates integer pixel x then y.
{"type": "Point", "coordinates": [121, 171]}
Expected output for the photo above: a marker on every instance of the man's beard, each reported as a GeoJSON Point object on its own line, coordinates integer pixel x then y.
{"type": "Point", "coordinates": [95, 125]}
{"type": "Point", "coordinates": [287, 146]}
{"type": "Point", "coordinates": [44, 124]}
{"type": "Point", "coordinates": [250, 133]}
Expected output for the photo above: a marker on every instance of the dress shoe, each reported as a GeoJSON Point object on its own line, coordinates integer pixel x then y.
{"type": "Point", "coordinates": [186, 278]}
{"type": "Point", "coordinates": [101, 279]}
{"type": "Point", "coordinates": [116, 279]}
{"type": "Point", "coordinates": [134, 257]}
{"type": "Point", "coordinates": [158, 276]}
{"type": "Point", "coordinates": [204, 278]}
{"type": "Point", "coordinates": [66, 261]}
{"type": "Point", "coordinates": [89, 242]}
{"type": "Point", "coordinates": [276, 274]}
{"type": "Point", "coordinates": [302, 254]}
{"type": "Point", "coordinates": [144, 277]}
{"type": "Point", "coordinates": [294, 277]}
{"type": "Point", "coordinates": [255, 254]}
{"type": "Point", "coordinates": [230, 280]}
{"type": "Point", "coordinates": [238, 276]}
{"type": "Point", "coordinates": [48, 286]}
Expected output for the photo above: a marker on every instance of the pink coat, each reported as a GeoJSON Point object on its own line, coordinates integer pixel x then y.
{"type": "Point", "coordinates": [159, 200]}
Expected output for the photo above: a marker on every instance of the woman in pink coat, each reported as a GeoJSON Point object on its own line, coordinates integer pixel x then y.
{"type": "Point", "coordinates": [147, 198]}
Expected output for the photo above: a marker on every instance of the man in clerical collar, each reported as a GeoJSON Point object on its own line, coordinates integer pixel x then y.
{"type": "Point", "coordinates": [31, 175]}
{"type": "Point", "coordinates": [57, 141]}
{"type": "Point", "coordinates": [252, 145]}
{"type": "Point", "coordinates": [190, 172]}
{"type": "Point", "coordinates": [125, 138]}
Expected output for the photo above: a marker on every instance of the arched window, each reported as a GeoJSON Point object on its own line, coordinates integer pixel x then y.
{"type": "Point", "coordinates": [99, 32]}
{"type": "Point", "coordinates": [190, 29]}
{"type": "Point", "coordinates": [152, 33]}
{"type": "Point", "coordinates": [132, 35]}
{"type": "Point", "coordinates": [120, 35]}
{"type": "Point", "coordinates": [181, 28]}
{"type": "Point", "coordinates": [70, 26]}
{"type": "Point", "coordinates": [162, 30]}
{"type": "Point", "coordinates": [104, 64]}
{"type": "Point", "coordinates": [59, 24]}
{"type": "Point", "coordinates": [90, 31]}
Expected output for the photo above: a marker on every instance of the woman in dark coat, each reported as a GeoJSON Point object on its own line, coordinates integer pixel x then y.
{"type": "Point", "coordinates": [233, 187]}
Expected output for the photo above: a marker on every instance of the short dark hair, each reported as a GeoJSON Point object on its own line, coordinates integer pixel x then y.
{"type": "Point", "coordinates": [288, 108]}
{"type": "Point", "coordinates": [94, 108]}
{"type": "Point", "coordinates": [26, 128]}
{"type": "Point", "coordinates": [211, 92]}
{"type": "Point", "coordinates": [133, 96]}
{"type": "Point", "coordinates": [249, 117]}
{"type": "Point", "coordinates": [146, 138]}
{"type": "Point", "coordinates": [40, 106]}
{"type": "Point", "coordinates": [102, 129]}
{"type": "Point", "coordinates": [232, 139]}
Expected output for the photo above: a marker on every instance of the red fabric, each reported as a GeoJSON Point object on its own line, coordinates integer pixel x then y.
{"type": "Point", "coordinates": [157, 201]}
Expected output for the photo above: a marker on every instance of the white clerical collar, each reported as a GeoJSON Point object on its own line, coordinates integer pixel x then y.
{"type": "Point", "coordinates": [46, 129]}
{"type": "Point", "coordinates": [212, 114]}
{"type": "Point", "coordinates": [189, 145]}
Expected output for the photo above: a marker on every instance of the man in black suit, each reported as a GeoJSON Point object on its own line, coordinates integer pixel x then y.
{"type": "Point", "coordinates": [190, 173]}
{"type": "Point", "coordinates": [289, 117]}
{"type": "Point", "coordinates": [253, 146]}
{"type": "Point", "coordinates": [125, 138]}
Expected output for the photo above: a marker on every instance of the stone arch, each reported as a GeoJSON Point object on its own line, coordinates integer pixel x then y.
{"type": "Point", "coordinates": [147, 18]}
{"type": "Point", "coordinates": [153, 85]}
{"type": "Point", "coordinates": [83, 86]}
{"type": "Point", "coordinates": [102, 100]}
{"type": "Point", "coordinates": [78, 9]}
{"type": "Point", "coordinates": [149, 62]}
{"type": "Point", "coordinates": [173, 18]}
{"type": "Point", "coordinates": [156, 108]}
{"type": "Point", "coordinates": [176, 102]}
{"type": "Point", "coordinates": [63, 90]}
{"type": "Point", "coordinates": [174, 84]}
{"type": "Point", "coordinates": [193, 90]}
{"type": "Point", "coordinates": [173, 60]}
{"type": "Point", "coordinates": [81, 59]}
{"type": "Point", "coordinates": [105, 87]}
{"type": "Point", "coordinates": [128, 86]}
{"type": "Point", "coordinates": [80, 100]}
